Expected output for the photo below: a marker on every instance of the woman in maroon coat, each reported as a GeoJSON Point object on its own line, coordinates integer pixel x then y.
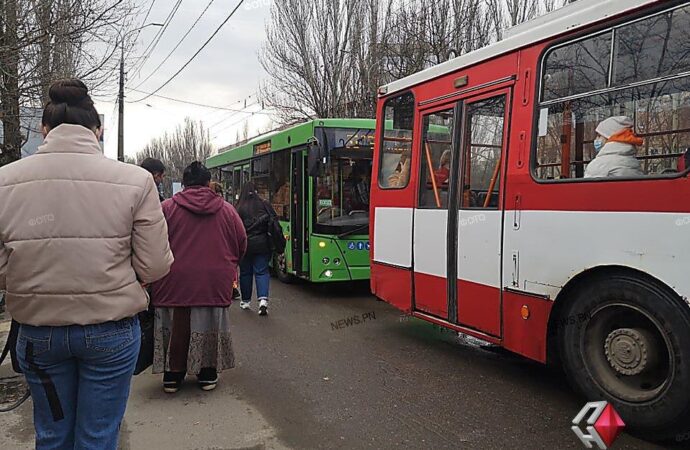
{"type": "Point", "coordinates": [192, 302]}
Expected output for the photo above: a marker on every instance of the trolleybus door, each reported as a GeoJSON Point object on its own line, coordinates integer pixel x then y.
{"type": "Point", "coordinates": [475, 299]}
{"type": "Point", "coordinates": [431, 215]}
{"type": "Point", "coordinates": [298, 214]}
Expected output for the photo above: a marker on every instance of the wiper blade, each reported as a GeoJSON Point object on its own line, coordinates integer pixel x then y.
{"type": "Point", "coordinates": [353, 231]}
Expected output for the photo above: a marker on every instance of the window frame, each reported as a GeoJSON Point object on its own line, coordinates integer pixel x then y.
{"type": "Point", "coordinates": [452, 107]}
{"type": "Point", "coordinates": [539, 89]}
{"type": "Point", "coordinates": [382, 136]}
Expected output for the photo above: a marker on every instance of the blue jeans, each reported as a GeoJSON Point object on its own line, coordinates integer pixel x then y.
{"type": "Point", "coordinates": [79, 377]}
{"type": "Point", "coordinates": [255, 266]}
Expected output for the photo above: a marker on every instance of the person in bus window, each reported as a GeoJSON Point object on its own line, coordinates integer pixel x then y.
{"type": "Point", "coordinates": [400, 177]}
{"type": "Point", "coordinates": [443, 172]}
{"type": "Point", "coordinates": [615, 150]}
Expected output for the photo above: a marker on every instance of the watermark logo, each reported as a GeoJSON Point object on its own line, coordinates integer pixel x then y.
{"type": "Point", "coordinates": [42, 220]}
{"type": "Point", "coordinates": [683, 221]}
{"type": "Point", "coordinates": [256, 4]}
{"type": "Point", "coordinates": [352, 321]}
{"type": "Point", "coordinates": [472, 220]}
{"type": "Point", "coordinates": [603, 425]}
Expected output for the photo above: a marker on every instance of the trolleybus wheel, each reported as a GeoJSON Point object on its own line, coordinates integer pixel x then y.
{"type": "Point", "coordinates": [280, 266]}
{"type": "Point", "coordinates": [630, 345]}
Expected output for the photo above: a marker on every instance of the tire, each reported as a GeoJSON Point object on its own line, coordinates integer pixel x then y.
{"type": "Point", "coordinates": [280, 269]}
{"type": "Point", "coordinates": [629, 344]}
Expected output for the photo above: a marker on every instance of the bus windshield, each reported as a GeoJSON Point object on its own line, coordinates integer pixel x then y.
{"type": "Point", "coordinates": [341, 191]}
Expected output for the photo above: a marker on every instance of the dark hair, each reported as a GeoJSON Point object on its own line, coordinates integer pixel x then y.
{"type": "Point", "coordinates": [153, 165]}
{"type": "Point", "coordinates": [70, 103]}
{"type": "Point", "coordinates": [249, 204]}
{"type": "Point", "coordinates": [196, 174]}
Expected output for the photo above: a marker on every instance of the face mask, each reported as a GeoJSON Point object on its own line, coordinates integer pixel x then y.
{"type": "Point", "coordinates": [598, 144]}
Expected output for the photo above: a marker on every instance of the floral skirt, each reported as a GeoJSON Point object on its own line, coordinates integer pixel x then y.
{"type": "Point", "coordinates": [191, 339]}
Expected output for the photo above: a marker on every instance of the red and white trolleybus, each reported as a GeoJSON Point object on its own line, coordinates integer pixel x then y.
{"type": "Point", "coordinates": [485, 222]}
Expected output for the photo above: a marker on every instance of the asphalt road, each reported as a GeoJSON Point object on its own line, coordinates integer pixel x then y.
{"type": "Point", "coordinates": [308, 379]}
{"type": "Point", "coordinates": [391, 381]}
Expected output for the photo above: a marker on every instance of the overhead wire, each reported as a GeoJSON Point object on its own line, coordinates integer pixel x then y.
{"type": "Point", "coordinates": [184, 66]}
{"type": "Point", "coordinates": [188, 102]}
{"type": "Point", "coordinates": [156, 39]}
{"type": "Point", "coordinates": [208, 5]}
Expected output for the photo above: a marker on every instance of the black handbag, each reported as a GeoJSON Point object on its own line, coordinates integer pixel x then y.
{"type": "Point", "coordinates": [275, 232]}
{"type": "Point", "coordinates": [147, 323]}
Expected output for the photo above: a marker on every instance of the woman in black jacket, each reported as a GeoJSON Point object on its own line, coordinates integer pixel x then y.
{"type": "Point", "coordinates": [256, 215]}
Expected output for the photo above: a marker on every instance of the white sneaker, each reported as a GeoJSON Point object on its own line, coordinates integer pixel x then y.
{"type": "Point", "coordinates": [246, 305]}
{"type": "Point", "coordinates": [263, 306]}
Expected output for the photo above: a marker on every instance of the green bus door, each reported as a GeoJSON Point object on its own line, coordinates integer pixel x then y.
{"type": "Point", "coordinates": [299, 214]}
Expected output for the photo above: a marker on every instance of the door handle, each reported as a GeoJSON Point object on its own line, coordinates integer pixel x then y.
{"type": "Point", "coordinates": [517, 213]}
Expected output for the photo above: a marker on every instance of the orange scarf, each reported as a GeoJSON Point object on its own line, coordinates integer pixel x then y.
{"type": "Point", "coordinates": [627, 136]}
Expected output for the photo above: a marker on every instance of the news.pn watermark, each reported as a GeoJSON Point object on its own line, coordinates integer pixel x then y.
{"type": "Point", "coordinates": [359, 319]}
{"type": "Point", "coordinates": [42, 220]}
{"type": "Point", "coordinates": [683, 221]}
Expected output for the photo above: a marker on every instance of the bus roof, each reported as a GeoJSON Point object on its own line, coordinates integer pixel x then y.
{"type": "Point", "coordinates": [283, 139]}
{"type": "Point", "coordinates": [572, 16]}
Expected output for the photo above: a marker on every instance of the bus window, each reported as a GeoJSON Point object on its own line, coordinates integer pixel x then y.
{"type": "Point", "coordinates": [342, 189]}
{"type": "Point", "coordinates": [646, 80]}
{"type": "Point", "coordinates": [436, 157]}
{"type": "Point", "coordinates": [280, 177]}
{"type": "Point", "coordinates": [396, 148]}
{"type": "Point", "coordinates": [482, 158]}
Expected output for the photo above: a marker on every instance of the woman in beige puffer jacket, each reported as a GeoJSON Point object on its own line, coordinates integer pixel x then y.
{"type": "Point", "coordinates": [79, 236]}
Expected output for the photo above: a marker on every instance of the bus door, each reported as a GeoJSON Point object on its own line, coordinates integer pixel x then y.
{"type": "Point", "coordinates": [432, 214]}
{"type": "Point", "coordinates": [475, 299]}
{"type": "Point", "coordinates": [299, 213]}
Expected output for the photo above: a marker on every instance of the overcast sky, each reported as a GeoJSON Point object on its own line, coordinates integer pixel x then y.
{"type": "Point", "coordinates": [227, 71]}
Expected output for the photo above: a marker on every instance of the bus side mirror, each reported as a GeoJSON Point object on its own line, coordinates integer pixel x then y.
{"type": "Point", "coordinates": [314, 157]}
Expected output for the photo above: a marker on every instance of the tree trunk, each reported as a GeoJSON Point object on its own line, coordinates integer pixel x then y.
{"type": "Point", "coordinates": [9, 90]}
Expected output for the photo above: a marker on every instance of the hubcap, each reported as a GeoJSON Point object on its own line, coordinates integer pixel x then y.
{"type": "Point", "coordinates": [627, 353]}
{"type": "Point", "coordinates": [627, 350]}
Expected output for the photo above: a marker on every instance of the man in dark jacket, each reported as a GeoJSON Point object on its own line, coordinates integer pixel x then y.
{"type": "Point", "coordinates": [192, 316]}
{"type": "Point", "coordinates": [157, 170]}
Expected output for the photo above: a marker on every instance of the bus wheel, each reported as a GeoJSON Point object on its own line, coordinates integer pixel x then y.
{"type": "Point", "coordinates": [280, 266]}
{"type": "Point", "coordinates": [627, 341]}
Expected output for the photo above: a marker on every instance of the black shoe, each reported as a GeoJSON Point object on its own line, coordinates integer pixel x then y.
{"type": "Point", "coordinates": [172, 381]}
{"type": "Point", "coordinates": [235, 294]}
{"type": "Point", "coordinates": [207, 379]}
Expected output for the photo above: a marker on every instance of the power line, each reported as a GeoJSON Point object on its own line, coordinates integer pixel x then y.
{"type": "Point", "coordinates": [178, 44]}
{"type": "Point", "coordinates": [232, 13]}
{"type": "Point", "coordinates": [203, 105]}
{"type": "Point", "coordinates": [157, 38]}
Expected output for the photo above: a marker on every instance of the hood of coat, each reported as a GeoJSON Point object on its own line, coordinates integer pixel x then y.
{"type": "Point", "coordinates": [618, 149]}
{"type": "Point", "coordinates": [199, 200]}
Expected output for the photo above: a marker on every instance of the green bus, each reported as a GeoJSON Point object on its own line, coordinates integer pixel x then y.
{"type": "Point", "coordinates": [317, 176]}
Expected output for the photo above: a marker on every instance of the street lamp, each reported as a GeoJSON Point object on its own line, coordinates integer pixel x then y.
{"type": "Point", "coordinates": [121, 95]}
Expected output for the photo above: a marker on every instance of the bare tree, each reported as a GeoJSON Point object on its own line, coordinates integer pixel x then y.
{"type": "Point", "coordinates": [188, 143]}
{"type": "Point", "coordinates": [43, 40]}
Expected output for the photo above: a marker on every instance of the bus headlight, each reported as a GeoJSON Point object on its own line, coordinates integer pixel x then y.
{"type": "Point", "coordinates": [336, 261]}
{"type": "Point", "coordinates": [322, 244]}
{"type": "Point", "coordinates": [328, 273]}
{"type": "Point", "coordinates": [326, 261]}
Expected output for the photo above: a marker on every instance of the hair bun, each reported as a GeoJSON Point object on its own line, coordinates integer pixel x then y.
{"type": "Point", "coordinates": [70, 91]}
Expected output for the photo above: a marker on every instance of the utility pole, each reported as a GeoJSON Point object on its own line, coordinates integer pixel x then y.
{"type": "Point", "coordinates": [121, 94]}
{"type": "Point", "coordinates": [121, 108]}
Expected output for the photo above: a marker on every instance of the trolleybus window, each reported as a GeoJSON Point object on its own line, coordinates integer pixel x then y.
{"type": "Point", "coordinates": [482, 171]}
{"type": "Point", "coordinates": [654, 54]}
{"type": "Point", "coordinates": [280, 184]}
{"type": "Point", "coordinates": [396, 148]}
{"type": "Point", "coordinates": [436, 164]}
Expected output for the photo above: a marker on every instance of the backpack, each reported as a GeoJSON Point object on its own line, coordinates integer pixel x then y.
{"type": "Point", "coordinates": [275, 232]}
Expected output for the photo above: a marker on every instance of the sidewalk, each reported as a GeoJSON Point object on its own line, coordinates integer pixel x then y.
{"type": "Point", "coordinates": [190, 419]}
